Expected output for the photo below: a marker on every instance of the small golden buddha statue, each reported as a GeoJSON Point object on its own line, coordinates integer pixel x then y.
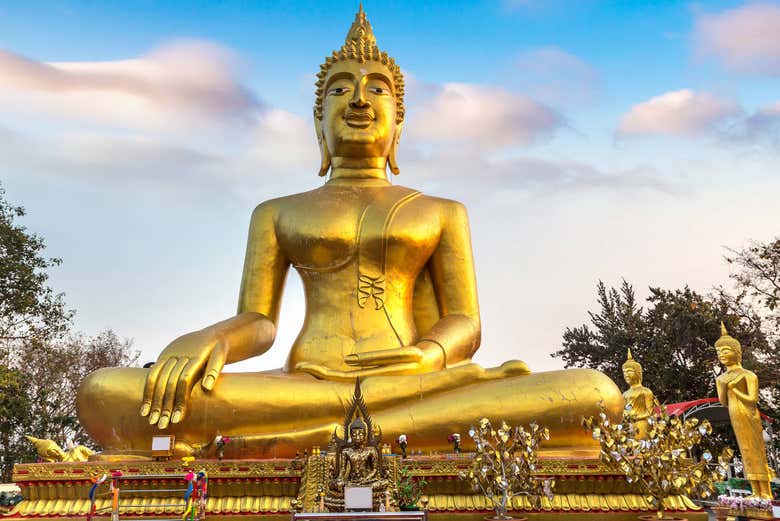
{"type": "Point", "coordinates": [391, 297]}
{"type": "Point", "coordinates": [358, 457]}
{"type": "Point", "coordinates": [738, 390]}
{"type": "Point", "coordinates": [639, 399]}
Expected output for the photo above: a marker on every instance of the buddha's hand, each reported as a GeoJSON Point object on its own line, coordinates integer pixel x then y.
{"type": "Point", "coordinates": [170, 380]}
{"type": "Point", "coordinates": [735, 382]}
{"type": "Point", "coordinates": [424, 357]}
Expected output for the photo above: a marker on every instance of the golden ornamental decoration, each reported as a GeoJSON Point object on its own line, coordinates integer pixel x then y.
{"type": "Point", "coordinates": [660, 463]}
{"type": "Point", "coordinates": [505, 461]}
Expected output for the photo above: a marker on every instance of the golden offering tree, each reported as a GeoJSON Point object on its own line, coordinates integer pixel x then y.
{"type": "Point", "coordinates": [391, 297]}
{"type": "Point", "coordinates": [660, 462]}
{"type": "Point", "coordinates": [505, 461]}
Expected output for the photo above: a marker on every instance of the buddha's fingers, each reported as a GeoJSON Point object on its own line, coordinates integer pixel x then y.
{"type": "Point", "coordinates": [183, 388]}
{"type": "Point", "coordinates": [159, 389]}
{"type": "Point", "coordinates": [214, 366]}
{"type": "Point", "coordinates": [170, 392]}
{"type": "Point", "coordinates": [409, 354]}
{"type": "Point", "coordinates": [326, 373]}
{"type": "Point", "coordinates": [151, 381]}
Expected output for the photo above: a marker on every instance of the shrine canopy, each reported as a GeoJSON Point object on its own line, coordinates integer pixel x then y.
{"type": "Point", "coordinates": [704, 409]}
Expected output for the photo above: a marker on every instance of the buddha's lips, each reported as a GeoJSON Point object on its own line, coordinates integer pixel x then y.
{"type": "Point", "coordinates": [359, 118]}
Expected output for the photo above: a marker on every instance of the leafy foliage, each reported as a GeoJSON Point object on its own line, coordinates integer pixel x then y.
{"type": "Point", "coordinates": [28, 306]}
{"type": "Point", "coordinates": [42, 361]}
{"type": "Point", "coordinates": [671, 337]}
{"type": "Point", "coordinates": [408, 490]}
{"type": "Point", "coordinates": [758, 278]}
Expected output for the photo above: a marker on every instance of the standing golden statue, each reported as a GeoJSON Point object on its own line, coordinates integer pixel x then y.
{"type": "Point", "coordinates": [738, 390]}
{"type": "Point", "coordinates": [391, 297]}
{"type": "Point", "coordinates": [639, 399]}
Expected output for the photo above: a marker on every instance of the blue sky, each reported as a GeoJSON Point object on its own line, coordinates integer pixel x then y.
{"type": "Point", "coordinates": [589, 140]}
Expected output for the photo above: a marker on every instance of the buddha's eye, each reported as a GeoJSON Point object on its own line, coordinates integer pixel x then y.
{"type": "Point", "coordinates": [337, 91]}
{"type": "Point", "coordinates": [379, 90]}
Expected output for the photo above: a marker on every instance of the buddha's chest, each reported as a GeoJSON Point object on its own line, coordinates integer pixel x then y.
{"type": "Point", "coordinates": [327, 230]}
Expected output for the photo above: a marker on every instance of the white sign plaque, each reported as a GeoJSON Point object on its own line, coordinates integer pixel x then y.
{"type": "Point", "coordinates": [358, 498]}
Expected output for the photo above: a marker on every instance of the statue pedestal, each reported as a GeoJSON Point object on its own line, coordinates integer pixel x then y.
{"type": "Point", "coordinates": [418, 515]}
{"type": "Point", "coordinates": [263, 490]}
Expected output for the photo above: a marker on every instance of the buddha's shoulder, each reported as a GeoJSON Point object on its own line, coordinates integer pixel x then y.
{"type": "Point", "coordinates": [440, 203]}
{"type": "Point", "coordinates": [271, 208]}
{"type": "Point", "coordinates": [303, 200]}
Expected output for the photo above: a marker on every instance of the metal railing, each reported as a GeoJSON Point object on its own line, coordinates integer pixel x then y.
{"type": "Point", "coordinates": [193, 493]}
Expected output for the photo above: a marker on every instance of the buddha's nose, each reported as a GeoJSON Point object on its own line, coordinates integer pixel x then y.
{"type": "Point", "coordinates": [358, 100]}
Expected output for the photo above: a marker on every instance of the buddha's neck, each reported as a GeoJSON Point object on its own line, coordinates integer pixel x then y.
{"type": "Point", "coordinates": [364, 171]}
{"type": "Point", "coordinates": [733, 367]}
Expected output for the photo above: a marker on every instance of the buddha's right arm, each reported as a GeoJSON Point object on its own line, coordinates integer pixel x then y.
{"type": "Point", "coordinates": [722, 389]}
{"type": "Point", "coordinates": [202, 354]}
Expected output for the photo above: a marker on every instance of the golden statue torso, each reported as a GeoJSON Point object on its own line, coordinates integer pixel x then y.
{"type": "Point", "coordinates": [320, 232]}
{"type": "Point", "coordinates": [360, 466]}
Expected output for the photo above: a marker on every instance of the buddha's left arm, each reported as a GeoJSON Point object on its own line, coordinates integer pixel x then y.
{"type": "Point", "coordinates": [458, 331]}
{"type": "Point", "coordinates": [647, 398]}
{"type": "Point", "coordinates": [750, 396]}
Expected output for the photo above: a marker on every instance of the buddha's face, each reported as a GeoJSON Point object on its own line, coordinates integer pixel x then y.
{"type": "Point", "coordinates": [358, 436]}
{"type": "Point", "coordinates": [358, 110]}
{"type": "Point", "coordinates": [727, 355]}
{"type": "Point", "coordinates": [631, 376]}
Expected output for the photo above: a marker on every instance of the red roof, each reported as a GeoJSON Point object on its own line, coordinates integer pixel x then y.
{"type": "Point", "coordinates": [680, 408]}
{"type": "Point", "coordinates": [677, 409]}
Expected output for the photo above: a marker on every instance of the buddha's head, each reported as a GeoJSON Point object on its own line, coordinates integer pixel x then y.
{"type": "Point", "coordinates": [359, 108]}
{"type": "Point", "coordinates": [357, 432]}
{"type": "Point", "coordinates": [632, 371]}
{"type": "Point", "coordinates": [729, 349]}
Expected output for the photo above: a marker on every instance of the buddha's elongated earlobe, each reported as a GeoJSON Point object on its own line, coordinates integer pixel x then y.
{"type": "Point", "coordinates": [324, 153]}
{"type": "Point", "coordinates": [391, 159]}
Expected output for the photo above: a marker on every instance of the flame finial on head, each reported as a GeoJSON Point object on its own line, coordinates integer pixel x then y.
{"type": "Point", "coordinates": [361, 28]}
{"type": "Point", "coordinates": [631, 363]}
{"type": "Point", "coordinates": [728, 340]}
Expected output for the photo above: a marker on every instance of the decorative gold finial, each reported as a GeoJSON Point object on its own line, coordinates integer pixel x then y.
{"type": "Point", "coordinates": [630, 362]}
{"type": "Point", "coordinates": [361, 29]}
{"type": "Point", "coordinates": [723, 331]}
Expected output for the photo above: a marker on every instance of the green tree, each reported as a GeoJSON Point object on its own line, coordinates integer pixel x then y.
{"type": "Point", "coordinates": [672, 337]}
{"type": "Point", "coordinates": [42, 361]}
{"type": "Point", "coordinates": [29, 308]}
{"type": "Point", "coordinates": [15, 414]}
{"type": "Point", "coordinates": [757, 277]}
{"type": "Point", "coordinates": [55, 370]}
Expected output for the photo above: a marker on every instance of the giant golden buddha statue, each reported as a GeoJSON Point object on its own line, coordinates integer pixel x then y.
{"type": "Point", "coordinates": [390, 297]}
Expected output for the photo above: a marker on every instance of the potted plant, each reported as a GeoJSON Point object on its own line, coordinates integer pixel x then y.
{"type": "Point", "coordinates": [408, 490]}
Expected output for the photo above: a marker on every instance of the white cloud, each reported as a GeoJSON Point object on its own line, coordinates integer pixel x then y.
{"type": "Point", "coordinates": [484, 116]}
{"type": "Point", "coordinates": [469, 175]}
{"type": "Point", "coordinates": [556, 77]}
{"type": "Point", "coordinates": [761, 127]}
{"type": "Point", "coordinates": [283, 141]}
{"type": "Point", "coordinates": [677, 113]}
{"type": "Point", "coordinates": [181, 84]}
{"type": "Point", "coordinates": [745, 39]}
